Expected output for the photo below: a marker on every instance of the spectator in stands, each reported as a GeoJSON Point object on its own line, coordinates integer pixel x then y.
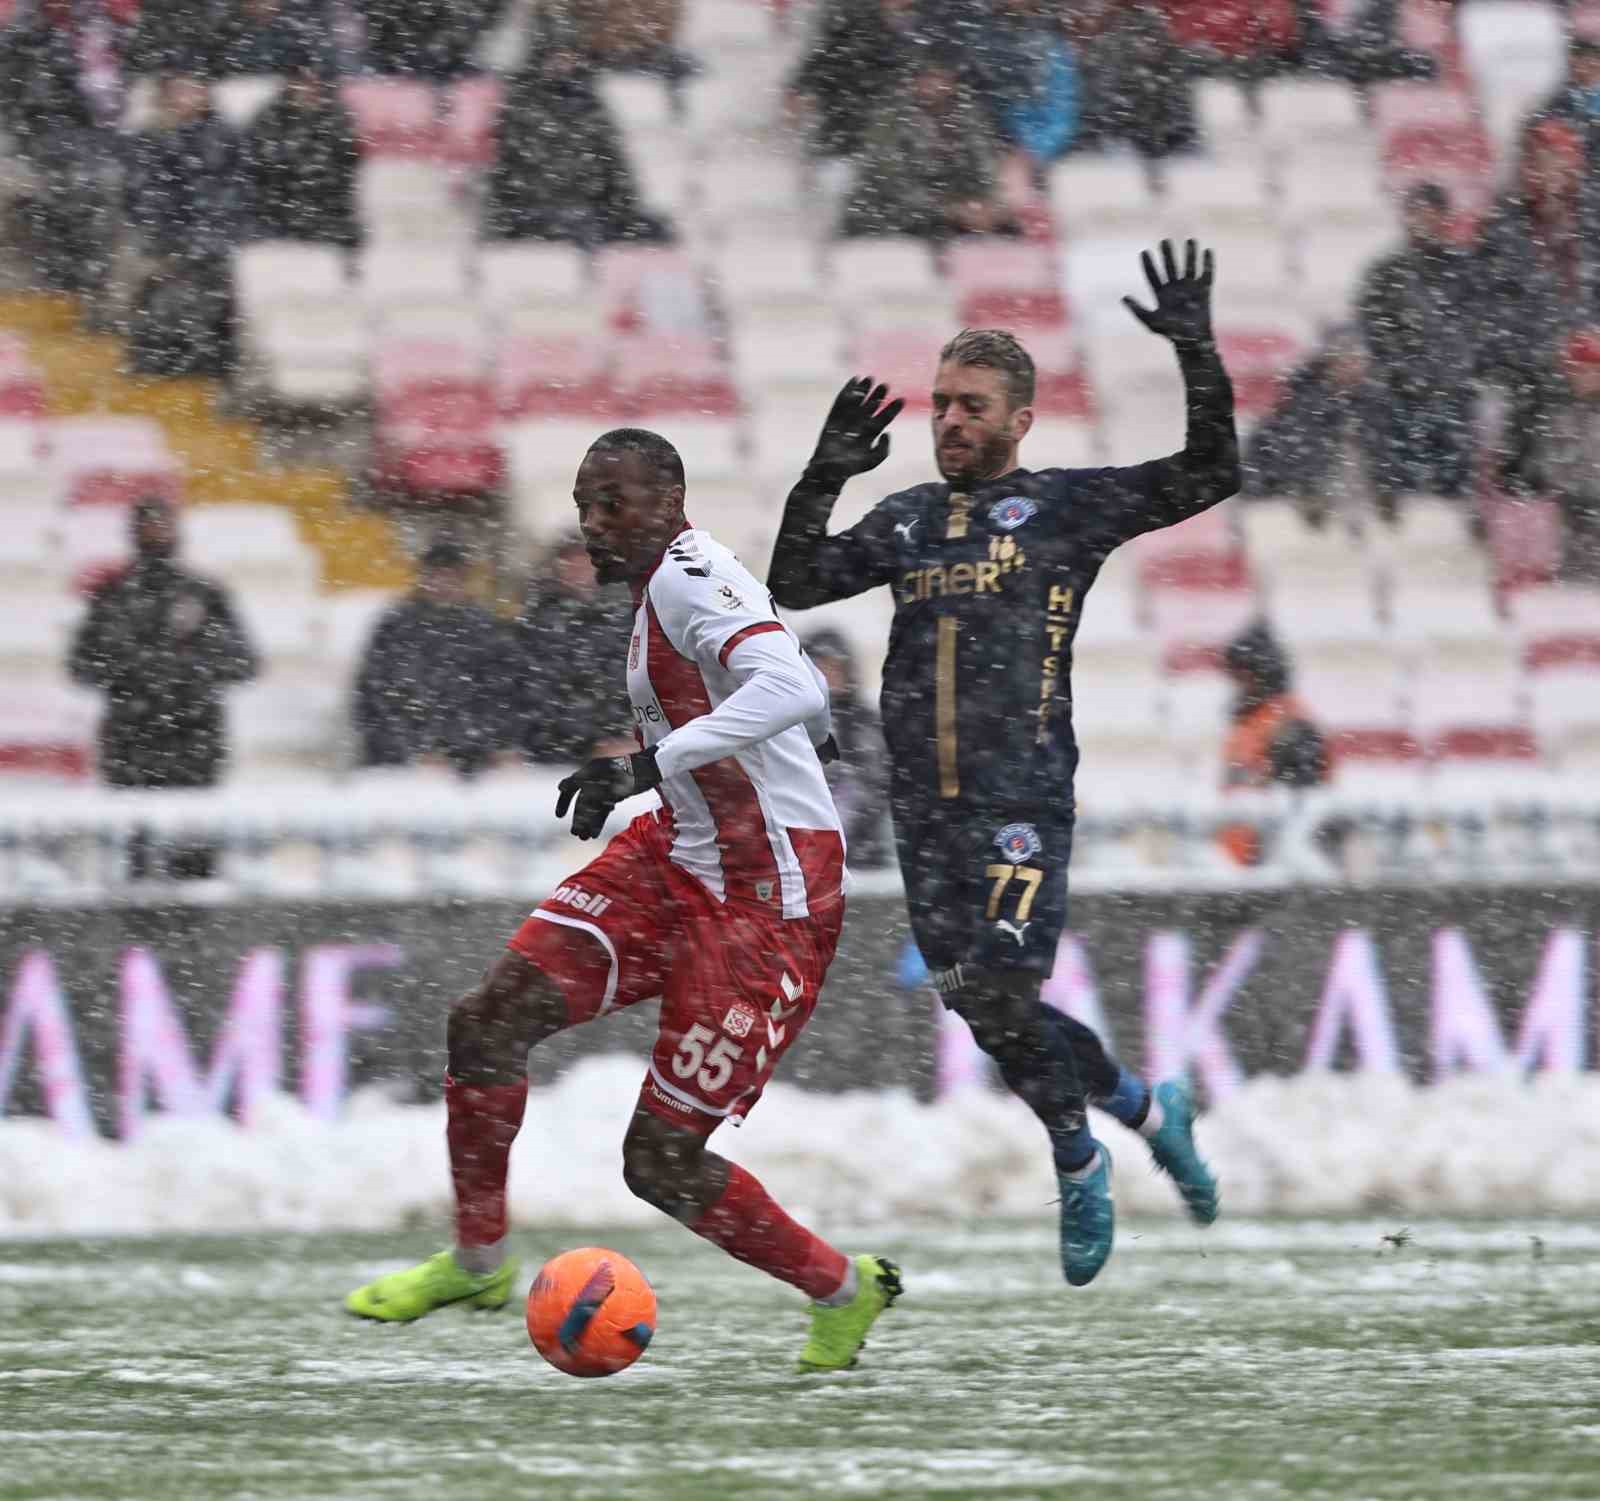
{"type": "Point", "coordinates": [861, 51]}
{"type": "Point", "coordinates": [930, 165]}
{"type": "Point", "coordinates": [561, 171]}
{"type": "Point", "coordinates": [299, 162]}
{"type": "Point", "coordinates": [1539, 264]}
{"type": "Point", "coordinates": [859, 779]}
{"type": "Point", "coordinates": [433, 681]}
{"type": "Point", "coordinates": [1138, 84]}
{"type": "Point", "coordinates": [572, 702]}
{"type": "Point", "coordinates": [65, 222]}
{"type": "Point", "coordinates": [1418, 310]}
{"type": "Point", "coordinates": [430, 39]}
{"type": "Point", "coordinates": [161, 644]}
{"type": "Point", "coordinates": [1577, 101]}
{"type": "Point", "coordinates": [1271, 740]}
{"type": "Point", "coordinates": [261, 37]}
{"type": "Point", "coordinates": [1317, 443]}
{"type": "Point", "coordinates": [1031, 81]}
{"type": "Point", "coordinates": [637, 35]}
{"type": "Point", "coordinates": [1556, 451]}
{"type": "Point", "coordinates": [183, 201]}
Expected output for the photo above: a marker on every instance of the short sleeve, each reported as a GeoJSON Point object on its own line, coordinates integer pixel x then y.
{"type": "Point", "coordinates": [707, 603]}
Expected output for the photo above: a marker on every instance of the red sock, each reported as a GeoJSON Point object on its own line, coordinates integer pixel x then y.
{"type": "Point", "coordinates": [484, 1119]}
{"type": "Point", "coordinates": [748, 1224]}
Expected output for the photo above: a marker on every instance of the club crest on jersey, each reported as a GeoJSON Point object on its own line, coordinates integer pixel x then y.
{"type": "Point", "coordinates": [728, 599]}
{"type": "Point", "coordinates": [1018, 842]}
{"type": "Point", "coordinates": [1010, 513]}
{"type": "Point", "coordinates": [740, 1020]}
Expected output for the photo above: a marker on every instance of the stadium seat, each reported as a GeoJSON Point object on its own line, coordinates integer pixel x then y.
{"type": "Point", "coordinates": [1401, 106]}
{"type": "Point", "coordinates": [1564, 707]}
{"type": "Point", "coordinates": [1371, 694]}
{"type": "Point", "coordinates": [405, 199]}
{"type": "Point", "coordinates": [736, 96]}
{"type": "Point", "coordinates": [110, 460]}
{"type": "Point", "coordinates": [999, 281]}
{"type": "Point", "coordinates": [21, 459]}
{"type": "Point", "coordinates": [542, 457]}
{"type": "Point", "coordinates": [653, 287]}
{"type": "Point", "coordinates": [1295, 110]}
{"type": "Point", "coordinates": [1332, 259]}
{"type": "Point", "coordinates": [395, 275]}
{"type": "Point", "coordinates": [678, 374]}
{"type": "Point", "coordinates": [776, 273]}
{"type": "Point", "coordinates": [1515, 54]}
{"type": "Point", "coordinates": [1107, 704]}
{"type": "Point", "coordinates": [287, 721]}
{"type": "Point", "coordinates": [1259, 358]}
{"type": "Point", "coordinates": [1204, 545]}
{"type": "Point", "coordinates": [1098, 273]}
{"type": "Point", "coordinates": [21, 387]}
{"type": "Point", "coordinates": [1255, 281]}
{"type": "Point", "coordinates": [47, 728]}
{"type": "Point", "coordinates": [564, 375]}
{"type": "Point", "coordinates": [311, 353]}
{"type": "Point", "coordinates": [1447, 693]}
{"type": "Point", "coordinates": [888, 271]}
{"type": "Point", "coordinates": [283, 624]}
{"type": "Point", "coordinates": [276, 271]}
{"type": "Point", "coordinates": [1524, 536]}
{"type": "Point", "coordinates": [715, 26]}
{"type": "Point", "coordinates": [401, 366]}
{"type": "Point", "coordinates": [31, 563]}
{"type": "Point", "coordinates": [1212, 193]}
{"type": "Point", "coordinates": [472, 118]}
{"type": "Point", "coordinates": [439, 439]}
{"type": "Point", "coordinates": [250, 546]}
{"type": "Point", "coordinates": [240, 100]}
{"type": "Point", "coordinates": [512, 273]}
{"type": "Point", "coordinates": [1190, 618]}
{"type": "Point", "coordinates": [1546, 617]}
{"type": "Point", "coordinates": [1310, 204]}
{"type": "Point", "coordinates": [742, 185]}
{"type": "Point", "coordinates": [1230, 121]}
{"type": "Point", "coordinates": [1198, 708]}
{"type": "Point", "coordinates": [394, 116]}
{"type": "Point", "coordinates": [709, 446]}
{"type": "Point", "coordinates": [1462, 616]}
{"type": "Point", "coordinates": [1091, 198]}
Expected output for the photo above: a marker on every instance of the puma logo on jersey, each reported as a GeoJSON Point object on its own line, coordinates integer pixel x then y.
{"type": "Point", "coordinates": [1014, 930]}
{"type": "Point", "coordinates": [585, 901]}
{"type": "Point", "coordinates": [905, 529]}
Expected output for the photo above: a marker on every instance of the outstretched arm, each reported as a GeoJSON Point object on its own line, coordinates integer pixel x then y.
{"type": "Point", "coordinates": [1206, 470]}
{"type": "Point", "coordinates": [808, 566]}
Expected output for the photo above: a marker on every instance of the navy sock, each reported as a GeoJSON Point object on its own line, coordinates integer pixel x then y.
{"type": "Point", "coordinates": [1129, 1102]}
{"type": "Point", "coordinates": [1073, 1148]}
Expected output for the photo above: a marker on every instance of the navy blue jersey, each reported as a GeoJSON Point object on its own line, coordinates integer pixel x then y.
{"type": "Point", "coordinates": [989, 587]}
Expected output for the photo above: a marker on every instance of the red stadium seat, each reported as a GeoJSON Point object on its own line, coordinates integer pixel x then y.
{"type": "Point", "coordinates": [1258, 361]}
{"type": "Point", "coordinates": [395, 116]}
{"type": "Point", "coordinates": [438, 439]}
{"type": "Point", "coordinates": [1374, 743]}
{"type": "Point", "coordinates": [1562, 651]}
{"type": "Point", "coordinates": [569, 375]}
{"type": "Point", "coordinates": [66, 760]}
{"type": "Point", "coordinates": [1002, 282]}
{"type": "Point", "coordinates": [1233, 28]}
{"type": "Point", "coordinates": [668, 373]}
{"type": "Point", "coordinates": [471, 120]}
{"type": "Point", "coordinates": [1505, 742]}
{"type": "Point", "coordinates": [1524, 537]}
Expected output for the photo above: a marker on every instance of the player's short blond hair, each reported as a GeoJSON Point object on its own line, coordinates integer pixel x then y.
{"type": "Point", "coordinates": [995, 349]}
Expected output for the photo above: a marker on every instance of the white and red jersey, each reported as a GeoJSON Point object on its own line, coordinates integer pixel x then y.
{"type": "Point", "coordinates": [720, 686]}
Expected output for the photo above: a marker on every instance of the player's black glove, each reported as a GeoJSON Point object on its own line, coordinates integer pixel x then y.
{"type": "Point", "coordinates": [600, 785]}
{"type": "Point", "coordinates": [853, 438]}
{"type": "Point", "coordinates": [1183, 302]}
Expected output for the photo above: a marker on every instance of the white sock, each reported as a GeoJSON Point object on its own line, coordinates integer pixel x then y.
{"type": "Point", "coordinates": [846, 1289]}
{"type": "Point", "coordinates": [1152, 1122]}
{"type": "Point", "coordinates": [480, 1260]}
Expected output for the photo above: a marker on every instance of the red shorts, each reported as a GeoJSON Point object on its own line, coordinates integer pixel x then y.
{"type": "Point", "coordinates": [736, 982]}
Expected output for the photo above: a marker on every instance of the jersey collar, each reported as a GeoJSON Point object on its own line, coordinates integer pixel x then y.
{"type": "Point", "coordinates": [640, 584]}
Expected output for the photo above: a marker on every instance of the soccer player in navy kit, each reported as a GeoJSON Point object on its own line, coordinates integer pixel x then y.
{"type": "Point", "coordinates": [989, 571]}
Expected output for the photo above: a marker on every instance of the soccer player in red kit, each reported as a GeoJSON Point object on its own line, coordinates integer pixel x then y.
{"type": "Point", "coordinates": [725, 902]}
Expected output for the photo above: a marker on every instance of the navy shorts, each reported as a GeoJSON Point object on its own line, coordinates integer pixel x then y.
{"type": "Point", "coordinates": [985, 890]}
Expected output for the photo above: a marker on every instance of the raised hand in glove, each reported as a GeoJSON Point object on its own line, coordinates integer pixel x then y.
{"type": "Point", "coordinates": [1183, 301]}
{"type": "Point", "coordinates": [853, 438]}
{"type": "Point", "coordinates": [600, 785]}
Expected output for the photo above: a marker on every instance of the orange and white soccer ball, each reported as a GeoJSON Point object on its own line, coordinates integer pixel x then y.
{"type": "Point", "coordinates": [591, 1312]}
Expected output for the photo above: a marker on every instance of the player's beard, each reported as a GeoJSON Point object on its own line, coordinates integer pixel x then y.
{"type": "Point", "coordinates": [971, 466]}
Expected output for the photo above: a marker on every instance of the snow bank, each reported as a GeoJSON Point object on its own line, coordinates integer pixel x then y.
{"type": "Point", "coordinates": [1324, 1143]}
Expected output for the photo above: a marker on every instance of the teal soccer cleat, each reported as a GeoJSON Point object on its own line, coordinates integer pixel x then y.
{"type": "Point", "coordinates": [1176, 1154]}
{"type": "Point", "coordinates": [1088, 1221]}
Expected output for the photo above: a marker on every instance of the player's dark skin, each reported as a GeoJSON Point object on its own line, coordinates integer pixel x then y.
{"type": "Point", "coordinates": [627, 515]}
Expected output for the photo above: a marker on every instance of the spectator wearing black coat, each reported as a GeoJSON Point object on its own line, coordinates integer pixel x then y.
{"type": "Point", "coordinates": [931, 164]}
{"type": "Point", "coordinates": [861, 51]}
{"type": "Point", "coordinates": [429, 39]}
{"type": "Point", "coordinates": [162, 644]}
{"type": "Point", "coordinates": [182, 187]}
{"type": "Point", "coordinates": [67, 223]}
{"type": "Point", "coordinates": [1538, 263]}
{"type": "Point", "coordinates": [432, 685]}
{"type": "Point", "coordinates": [1418, 313]}
{"type": "Point", "coordinates": [1577, 100]}
{"type": "Point", "coordinates": [859, 779]}
{"type": "Point", "coordinates": [561, 170]}
{"type": "Point", "coordinates": [299, 162]}
{"type": "Point", "coordinates": [571, 642]}
{"type": "Point", "coordinates": [1138, 84]}
{"type": "Point", "coordinates": [1317, 444]}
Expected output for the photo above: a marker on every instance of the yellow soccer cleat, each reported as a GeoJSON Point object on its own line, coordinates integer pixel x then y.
{"type": "Point", "coordinates": [440, 1280]}
{"type": "Point", "coordinates": [837, 1334]}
